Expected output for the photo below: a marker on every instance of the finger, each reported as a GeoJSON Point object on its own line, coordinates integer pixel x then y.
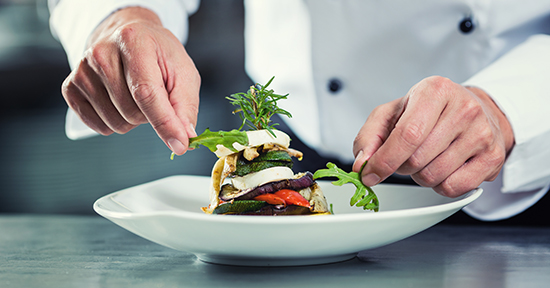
{"type": "Point", "coordinates": [375, 131]}
{"type": "Point", "coordinates": [122, 98]}
{"type": "Point", "coordinates": [146, 84]}
{"type": "Point", "coordinates": [470, 175]}
{"type": "Point", "coordinates": [78, 103]}
{"type": "Point", "coordinates": [420, 115]}
{"type": "Point", "coordinates": [446, 163]}
{"type": "Point", "coordinates": [447, 129]}
{"type": "Point", "coordinates": [108, 64]}
{"type": "Point", "coordinates": [92, 88]}
{"type": "Point", "coordinates": [488, 156]}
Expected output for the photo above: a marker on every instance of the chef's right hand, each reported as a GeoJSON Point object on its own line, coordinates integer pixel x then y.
{"type": "Point", "coordinates": [135, 71]}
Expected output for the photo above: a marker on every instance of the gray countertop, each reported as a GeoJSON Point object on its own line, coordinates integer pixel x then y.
{"type": "Point", "coordinates": [89, 251]}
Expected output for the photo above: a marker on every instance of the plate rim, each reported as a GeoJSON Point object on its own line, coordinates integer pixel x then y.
{"type": "Point", "coordinates": [471, 196]}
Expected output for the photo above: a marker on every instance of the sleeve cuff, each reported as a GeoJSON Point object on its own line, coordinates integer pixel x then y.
{"type": "Point", "coordinates": [518, 83]}
{"type": "Point", "coordinates": [494, 205]}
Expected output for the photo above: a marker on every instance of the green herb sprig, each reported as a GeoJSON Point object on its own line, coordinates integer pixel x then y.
{"type": "Point", "coordinates": [257, 106]}
{"type": "Point", "coordinates": [369, 201]}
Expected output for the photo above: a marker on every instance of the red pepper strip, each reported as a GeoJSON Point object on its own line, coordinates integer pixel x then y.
{"type": "Point", "coordinates": [271, 199]}
{"type": "Point", "coordinates": [292, 197]}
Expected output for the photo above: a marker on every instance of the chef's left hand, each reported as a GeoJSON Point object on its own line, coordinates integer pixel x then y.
{"type": "Point", "coordinates": [446, 136]}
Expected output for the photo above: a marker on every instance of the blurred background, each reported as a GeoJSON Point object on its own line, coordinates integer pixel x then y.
{"type": "Point", "coordinates": [44, 172]}
{"type": "Point", "coordinates": [41, 171]}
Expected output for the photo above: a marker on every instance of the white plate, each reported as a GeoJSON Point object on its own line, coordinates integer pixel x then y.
{"type": "Point", "coordinates": [167, 211]}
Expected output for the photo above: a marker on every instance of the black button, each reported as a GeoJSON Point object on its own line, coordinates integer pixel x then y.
{"type": "Point", "coordinates": [466, 25]}
{"type": "Point", "coordinates": [334, 85]}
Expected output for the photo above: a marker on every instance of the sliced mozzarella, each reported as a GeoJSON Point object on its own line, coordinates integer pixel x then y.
{"type": "Point", "coordinates": [261, 177]}
{"type": "Point", "coordinates": [256, 138]}
{"type": "Point", "coordinates": [222, 151]}
{"type": "Point", "coordinates": [260, 137]}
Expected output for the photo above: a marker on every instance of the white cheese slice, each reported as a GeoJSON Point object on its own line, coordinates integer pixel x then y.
{"type": "Point", "coordinates": [261, 177]}
{"type": "Point", "coordinates": [256, 138]}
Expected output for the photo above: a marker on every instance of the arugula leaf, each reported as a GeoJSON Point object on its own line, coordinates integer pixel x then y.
{"type": "Point", "coordinates": [211, 140]}
{"type": "Point", "coordinates": [360, 198]}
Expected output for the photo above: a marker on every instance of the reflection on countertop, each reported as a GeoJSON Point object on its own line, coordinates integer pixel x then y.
{"type": "Point", "coordinates": [88, 251]}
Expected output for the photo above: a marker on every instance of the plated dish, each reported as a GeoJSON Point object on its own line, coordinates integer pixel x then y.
{"type": "Point", "coordinates": [168, 212]}
{"type": "Point", "coordinates": [258, 165]}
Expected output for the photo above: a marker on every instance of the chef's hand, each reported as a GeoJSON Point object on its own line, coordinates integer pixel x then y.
{"type": "Point", "coordinates": [446, 136]}
{"type": "Point", "coordinates": [135, 71]}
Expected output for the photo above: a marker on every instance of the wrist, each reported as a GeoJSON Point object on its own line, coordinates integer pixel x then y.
{"type": "Point", "coordinates": [501, 120]}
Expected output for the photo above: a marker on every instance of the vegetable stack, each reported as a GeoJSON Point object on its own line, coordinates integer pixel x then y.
{"type": "Point", "coordinates": [258, 165]}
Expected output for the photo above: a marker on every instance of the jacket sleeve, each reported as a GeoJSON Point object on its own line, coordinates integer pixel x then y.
{"type": "Point", "coordinates": [72, 21]}
{"type": "Point", "coordinates": [519, 83]}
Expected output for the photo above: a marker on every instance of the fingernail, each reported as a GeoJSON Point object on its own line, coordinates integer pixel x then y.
{"type": "Point", "coordinates": [370, 179]}
{"type": "Point", "coordinates": [359, 155]}
{"type": "Point", "coordinates": [358, 159]}
{"type": "Point", "coordinates": [193, 132]}
{"type": "Point", "coordinates": [176, 146]}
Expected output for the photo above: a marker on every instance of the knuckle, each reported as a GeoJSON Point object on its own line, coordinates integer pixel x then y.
{"type": "Point", "coordinates": [67, 87]}
{"type": "Point", "coordinates": [495, 158]}
{"type": "Point", "coordinates": [426, 178]}
{"type": "Point", "coordinates": [415, 162]}
{"type": "Point", "coordinates": [411, 134]}
{"type": "Point", "coordinates": [439, 85]}
{"type": "Point", "coordinates": [376, 111]}
{"type": "Point", "coordinates": [437, 81]}
{"type": "Point", "coordinates": [471, 109]}
{"type": "Point", "coordinates": [452, 189]}
{"type": "Point", "coordinates": [383, 168]}
{"type": "Point", "coordinates": [143, 93]}
{"type": "Point", "coordinates": [486, 136]}
{"type": "Point", "coordinates": [100, 54]}
{"type": "Point", "coordinates": [381, 111]}
{"type": "Point", "coordinates": [128, 32]}
{"type": "Point", "coordinates": [160, 123]}
{"type": "Point", "coordinates": [358, 141]}
{"type": "Point", "coordinates": [447, 190]}
{"type": "Point", "coordinates": [79, 80]}
{"type": "Point", "coordinates": [77, 76]}
{"type": "Point", "coordinates": [70, 93]}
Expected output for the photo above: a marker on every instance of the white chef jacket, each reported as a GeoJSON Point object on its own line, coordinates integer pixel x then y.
{"type": "Point", "coordinates": [372, 52]}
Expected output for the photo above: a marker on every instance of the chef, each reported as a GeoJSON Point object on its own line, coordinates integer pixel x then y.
{"type": "Point", "coordinates": [453, 93]}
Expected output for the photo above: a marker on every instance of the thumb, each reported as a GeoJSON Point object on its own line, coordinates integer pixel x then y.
{"type": "Point", "coordinates": [375, 131]}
